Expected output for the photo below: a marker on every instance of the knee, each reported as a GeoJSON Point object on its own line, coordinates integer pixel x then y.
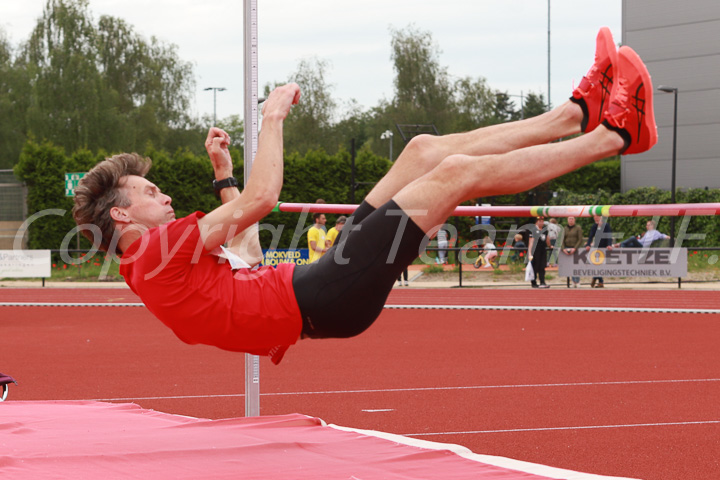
{"type": "Point", "coordinates": [423, 150]}
{"type": "Point", "coordinates": [454, 165]}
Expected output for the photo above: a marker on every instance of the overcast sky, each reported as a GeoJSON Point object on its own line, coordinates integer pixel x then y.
{"type": "Point", "coordinates": [504, 41]}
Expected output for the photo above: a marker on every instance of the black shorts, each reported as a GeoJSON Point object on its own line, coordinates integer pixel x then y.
{"type": "Point", "coordinates": [341, 294]}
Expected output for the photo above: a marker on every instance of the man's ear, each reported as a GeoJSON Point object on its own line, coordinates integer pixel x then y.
{"type": "Point", "coordinates": [119, 215]}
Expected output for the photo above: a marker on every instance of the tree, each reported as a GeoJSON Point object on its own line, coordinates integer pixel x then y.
{"type": "Point", "coordinates": [310, 125]}
{"type": "Point", "coordinates": [475, 103]}
{"type": "Point", "coordinates": [534, 105]}
{"type": "Point", "coordinates": [423, 92]}
{"type": "Point", "coordinates": [101, 85]}
{"type": "Point", "coordinates": [14, 88]}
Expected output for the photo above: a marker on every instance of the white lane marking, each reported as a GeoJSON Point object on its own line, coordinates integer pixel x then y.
{"type": "Point", "coordinates": [426, 307]}
{"type": "Point", "coordinates": [580, 427]}
{"type": "Point", "coordinates": [424, 389]}
{"type": "Point", "coordinates": [380, 410]}
{"type": "Point", "coordinates": [553, 309]}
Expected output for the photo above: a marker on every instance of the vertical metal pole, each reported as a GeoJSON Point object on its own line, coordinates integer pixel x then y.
{"type": "Point", "coordinates": [214, 107]}
{"type": "Point", "coordinates": [352, 171]}
{"type": "Point", "coordinates": [549, 102]}
{"type": "Point", "coordinates": [457, 253]}
{"type": "Point", "coordinates": [672, 186]}
{"type": "Point", "coordinates": [250, 64]}
{"type": "Point", "coordinates": [674, 163]}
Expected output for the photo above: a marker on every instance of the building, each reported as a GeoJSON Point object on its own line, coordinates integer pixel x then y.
{"type": "Point", "coordinates": [680, 44]}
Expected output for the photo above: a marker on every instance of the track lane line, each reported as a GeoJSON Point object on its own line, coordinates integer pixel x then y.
{"type": "Point", "coordinates": [424, 389]}
{"type": "Point", "coordinates": [580, 427]}
{"type": "Point", "coordinates": [427, 307]}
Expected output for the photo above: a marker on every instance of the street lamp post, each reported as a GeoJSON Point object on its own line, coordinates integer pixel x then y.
{"type": "Point", "coordinates": [385, 135]}
{"type": "Point", "coordinates": [674, 91]}
{"type": "Point", "coordinates": [215, 90]}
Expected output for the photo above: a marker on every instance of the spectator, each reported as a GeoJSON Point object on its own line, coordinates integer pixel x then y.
{"type": "Point", "coordinates": [537, 250]}
{"type": "Point", "coordinates": [572, 240]}
{"type": "Point", "coordinates": [490, 252]}
{"type": "Point", "coordinates": [316, 238]}
{"type": "Point", "coordinates": [400, 278]}
{"type": "Point", "coordinates": [554, 232]}
{"type": "Point", "coordinates": [601, 240]}
{"type": "Point", "coordinates": [442, 243]}
{"type": "Point", "coordinates": [333, 232]}
{"type": "Point", "coordinates": [321, 201]}
{"type": "Point", "coordinates": [519, 247]}
{"type": "Point", "coordinates": [645, 240]}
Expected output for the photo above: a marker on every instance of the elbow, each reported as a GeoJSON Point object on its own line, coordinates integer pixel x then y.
{"type": "Point", "coordinates": [266, 200]}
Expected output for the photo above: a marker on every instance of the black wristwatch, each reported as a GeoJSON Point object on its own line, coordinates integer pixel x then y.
{"type": "Point", "coordinates": [225, 183]}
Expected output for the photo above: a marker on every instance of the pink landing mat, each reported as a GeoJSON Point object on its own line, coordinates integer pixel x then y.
{"type": "Point", "coordinates": [85, 439]}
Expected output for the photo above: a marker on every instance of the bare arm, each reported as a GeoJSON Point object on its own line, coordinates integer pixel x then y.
{"type": "Point", "coordinates": [261, 193]}
{"type": "Point", "coordinates": [245, 244]}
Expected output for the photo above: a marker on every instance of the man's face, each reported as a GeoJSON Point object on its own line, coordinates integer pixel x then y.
{"type": "Point", "coordinates": [571, 221]}
{"type": "Point", "coordinates": [650, 226]}
{"type": "Point", "coordinates": [321, 220]}
{"type": "Point", "coordinates": [540, 223]}
{"type": "Point", "coordinates": [148, 205]}
{"type": "Point", "coordinates": [597, 218]}
{"type": "Point", "coordinates": [339, 227]}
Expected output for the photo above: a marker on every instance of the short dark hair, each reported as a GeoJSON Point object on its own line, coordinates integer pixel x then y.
{"type": "Point", "coordinates": [316, 216]}
{"type": "Point", "coordinates": [100, 190]}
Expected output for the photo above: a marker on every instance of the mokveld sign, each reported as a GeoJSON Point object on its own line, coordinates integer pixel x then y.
{"type": "Point", "coordinates": [624, 262]}
{"type": "Point", "coordinates": [299, 256]}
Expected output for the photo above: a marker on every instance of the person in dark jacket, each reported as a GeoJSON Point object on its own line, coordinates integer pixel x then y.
{"type": "Point", "coordinates": [600, 237]}
{"type": "Point", "coordinates": [538, 245]}
{"type": "Point", "coordinates": [572, 241]}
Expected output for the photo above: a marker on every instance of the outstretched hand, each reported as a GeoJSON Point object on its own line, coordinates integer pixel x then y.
{"type": "Point", "coordinates": [217, 144]}
{"type": "Point", "coordinates": [280, 100]}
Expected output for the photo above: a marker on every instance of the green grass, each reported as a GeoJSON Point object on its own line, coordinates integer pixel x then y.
{"type": "Point", "coordinates": [95, 269]}
{"type": "Point", "coordinates": [703, 261]}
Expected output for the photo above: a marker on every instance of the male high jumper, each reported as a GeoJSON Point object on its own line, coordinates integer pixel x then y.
{"type": "Point", "coordinates": [172, 264]}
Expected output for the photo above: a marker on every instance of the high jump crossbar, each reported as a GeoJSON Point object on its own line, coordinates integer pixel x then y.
{"type": "Point", "coordinates": [670, 210]}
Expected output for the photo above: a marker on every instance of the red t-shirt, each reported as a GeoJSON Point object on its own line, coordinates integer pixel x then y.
{"type": "Point", "coordinates": [198, 296]}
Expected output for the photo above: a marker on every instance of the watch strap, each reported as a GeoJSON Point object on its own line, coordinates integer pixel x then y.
{"type": "Point", "coordinates": [225, 183]}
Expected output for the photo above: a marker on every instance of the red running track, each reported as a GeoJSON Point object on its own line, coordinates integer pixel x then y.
{"type": "Point", "coordinates": [610, 393]}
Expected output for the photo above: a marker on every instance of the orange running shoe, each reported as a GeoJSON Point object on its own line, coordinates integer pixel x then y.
{"type": "Point", "coordinates": [593, 93]}
{"type": "Point", "coordinates": [630, 112]}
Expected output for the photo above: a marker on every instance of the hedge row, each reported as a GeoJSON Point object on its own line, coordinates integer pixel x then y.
{"type": "Point", "coordinates": [187, 178]}
{"type": "Point", "coordinates": [695, 231]}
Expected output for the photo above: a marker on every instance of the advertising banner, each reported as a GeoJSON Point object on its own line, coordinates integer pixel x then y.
{"type": "Point", "coordinates": [624, 262]}
{"type": "Point", "coordinates": [24, 263]}
{"type": "Point", "coordinates": [298, 256]}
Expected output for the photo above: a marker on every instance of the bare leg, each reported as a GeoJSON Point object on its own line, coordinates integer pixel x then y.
{"type": "Point", "coordinates": [430, 199]}
{"type": "Point", "coordinates": [425, 152]}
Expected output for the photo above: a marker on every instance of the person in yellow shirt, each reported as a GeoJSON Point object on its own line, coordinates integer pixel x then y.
{"type": "Point", "coordinates": [316, 238]}
{"type": "Point", "coordinates": [333, 232]}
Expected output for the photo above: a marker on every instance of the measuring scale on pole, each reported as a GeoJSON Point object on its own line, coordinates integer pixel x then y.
{"type": "Point", "coordinates": [250, 66]}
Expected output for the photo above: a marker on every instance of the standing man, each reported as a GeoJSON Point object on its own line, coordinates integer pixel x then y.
{"type": "Point", "coordinates": [572, 240]}
{"type": "Point", "coordinates": [442, 243]}
{"type": "Point", "coordinates": [554, 231]}
{"type": "Point", "coordinates": [334, 231]}
{"type": "Point", "coordinates": [316, 238]}
{"type": "Point", "coordinates": [538, 246]}
{"type": "Point", "coordinates": [600, 237]}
